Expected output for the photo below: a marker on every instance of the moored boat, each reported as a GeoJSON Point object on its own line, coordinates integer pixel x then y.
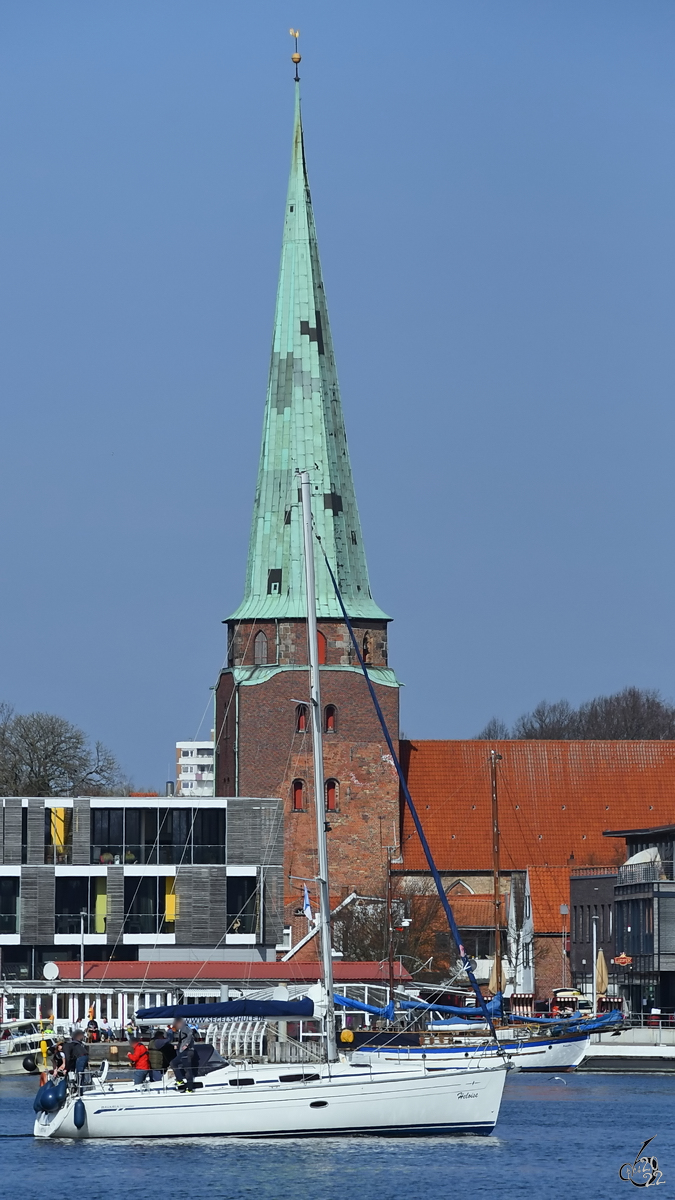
{"type": "Point", "coordinates": [21, 1043]}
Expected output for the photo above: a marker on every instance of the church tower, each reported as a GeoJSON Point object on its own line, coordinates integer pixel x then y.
{"type": "Point", "coordinates": [263, 738]}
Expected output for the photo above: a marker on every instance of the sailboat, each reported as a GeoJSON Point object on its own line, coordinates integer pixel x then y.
{"type": "Point", "coordinates": [338, 1096]}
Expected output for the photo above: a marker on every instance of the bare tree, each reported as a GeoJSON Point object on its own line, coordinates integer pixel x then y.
{"type": "Point", "coordinates": [45, 755]}
{"type": "Point", "coordinates": [632, 714]}
{"type": "Point", "coordinates": [360, 930]}
{"type": "Point", "coordinates": [547, 721]}
{"type": "Point", "coordinates": [495, 730]}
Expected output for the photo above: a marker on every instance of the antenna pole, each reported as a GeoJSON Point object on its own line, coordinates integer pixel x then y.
{"type": "Point", "coordinates": [296, 57]}
{"type": "Point", "coordinates": [317, 749]}
{"type": "Point", "coordinates": [494, 759]}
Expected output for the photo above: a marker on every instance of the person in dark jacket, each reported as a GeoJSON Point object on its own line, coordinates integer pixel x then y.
{"type": "Point", "coordinates": [162, 1053]}
{"type": "Point", "coordinates": [186, 1061]}
{"type": "Point", "coordinates": [76, 1054]}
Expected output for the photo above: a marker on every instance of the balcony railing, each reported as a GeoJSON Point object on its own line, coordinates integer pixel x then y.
{"type": "Point", "coordinates": [165, 855]}
{"type": "Point", "coordinates": [58, 856]}
{"type": "Point", "coordinates": [70, 923]}
{"type": "Point", "coordinates": [645, 872]}
{"type": "Point", "coordinates": [143, 923]}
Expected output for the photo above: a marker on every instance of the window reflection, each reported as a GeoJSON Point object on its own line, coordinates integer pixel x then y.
{"type": "Point", "coordinates": [168, 836]}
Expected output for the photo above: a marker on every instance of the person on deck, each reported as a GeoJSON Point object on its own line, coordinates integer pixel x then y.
{"type": "Point", "coordinates": [162, 1053]}
{"type": "Point", "coordinates": [186, 1061]}
{"type": "Point", "coordinates": [76, 1054]}
{"type": "Point", "coordinates": [140, 1060]}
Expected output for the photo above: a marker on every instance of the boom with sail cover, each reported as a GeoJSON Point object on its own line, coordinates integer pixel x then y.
{"type": "Point", "coordinates": [272, 1009]}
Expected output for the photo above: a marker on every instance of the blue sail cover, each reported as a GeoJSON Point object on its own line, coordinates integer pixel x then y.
{"type": "Point", "coordinates": [345, 1002]}
{"type": "Point", "coordinates": [576, 1024]}
{"type": "Point", "coordinates": [273, 1009]}
{"type": "Point", "coordinates": [494, 1008]}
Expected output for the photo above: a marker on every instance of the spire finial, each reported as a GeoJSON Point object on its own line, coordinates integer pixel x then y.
{"type": "Point", "coordinates": [296, 58]}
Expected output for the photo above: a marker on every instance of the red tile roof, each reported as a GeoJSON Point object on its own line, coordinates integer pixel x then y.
{"type": "Point", "coordinates": [555, 801]}
{"type": "Point", "coordinates": [475, 912]}
{"type": "Point", "coordinates": [195, 973]}
{"type": "Point", "coordinates": [549, 888]}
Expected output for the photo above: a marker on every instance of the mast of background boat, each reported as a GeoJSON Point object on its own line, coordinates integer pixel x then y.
{"type": "Point", "coordinates": [494, 759]}
{"type": "Point", "coordinates": [317, 749]}
{"type": "Point", "coordinates": [390, 928]}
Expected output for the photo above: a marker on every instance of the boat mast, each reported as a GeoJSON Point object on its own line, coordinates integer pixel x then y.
{"type": "Point", "coordinates": [317, 749]}
{"type": "Point", "coordinates": [494, 759]}
{"type": "Point", "coordinates": [390, 929]}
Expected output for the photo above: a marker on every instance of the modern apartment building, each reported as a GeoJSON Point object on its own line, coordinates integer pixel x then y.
{"type": "Point", "coordinates": [194, 768]}
{"type": "Point", "coordinates": [139, 878]}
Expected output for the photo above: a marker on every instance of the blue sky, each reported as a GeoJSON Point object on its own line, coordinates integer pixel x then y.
{"type": "Point", "coordinates": [494, 192]}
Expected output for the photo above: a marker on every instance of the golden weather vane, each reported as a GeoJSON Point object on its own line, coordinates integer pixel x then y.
{"type": "Point", "coordinates": [296, 58]}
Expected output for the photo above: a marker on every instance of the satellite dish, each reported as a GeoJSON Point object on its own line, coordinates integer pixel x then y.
{"type": "Point", "coordinates": [50, 970]}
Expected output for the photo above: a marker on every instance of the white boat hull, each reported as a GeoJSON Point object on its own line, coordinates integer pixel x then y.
{"type": "Point", "coordinates": [537, 1054]}
{"type": "Point", "coordinates": [346, 1100]}
{"type": "Point", "coordinates": [619, 1056]}
{"type": "Point", "coordinates": [12, 1064]}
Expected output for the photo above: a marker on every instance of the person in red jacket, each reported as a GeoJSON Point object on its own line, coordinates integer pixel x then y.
{"type": "Point", "coordinates": [140, 1059]}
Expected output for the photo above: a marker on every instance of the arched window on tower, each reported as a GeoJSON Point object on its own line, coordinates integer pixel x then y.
{"type": "Point", "coordinates": [297, 794]}
{"type": "Point", "coordinates": [301, 718]}
{"type": "Point", "coordinates": [330, 718]}
{"type": "Point", "coordinates": [331, 795]}
{"type": "Point", "coordinates": [367, 648]}
{"type": "Point", "coordinates": [323, 646]}
{"type": "Point", "coordinates": [260, 649]}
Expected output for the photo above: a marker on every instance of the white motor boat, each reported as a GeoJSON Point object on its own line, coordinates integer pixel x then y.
{"type": "Point", "coordinates": [20, 1041]}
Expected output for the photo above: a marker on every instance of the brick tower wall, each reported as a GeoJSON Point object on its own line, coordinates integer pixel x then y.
{"type": "Point", "coordinates": [257, 736]}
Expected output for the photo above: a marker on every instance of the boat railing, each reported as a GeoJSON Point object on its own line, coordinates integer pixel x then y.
{"type": "Point", "coordinates": [662, 1020]}
{"type": "Point", "coordinates": [255, 1039]}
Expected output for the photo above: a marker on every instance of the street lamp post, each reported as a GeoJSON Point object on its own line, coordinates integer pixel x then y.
{"type": "Point", "coordinates": [594, 965]}
{"type": "Point", "coordinates": [564, 911]}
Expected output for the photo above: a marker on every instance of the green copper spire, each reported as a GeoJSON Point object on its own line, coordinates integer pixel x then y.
{"type": "Point", "coordinates": [303, 430]}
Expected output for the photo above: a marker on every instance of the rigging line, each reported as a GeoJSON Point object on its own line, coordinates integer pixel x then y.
{"type": "Point", "coordinates": [155, 847]}
{"type": "Point", "coordinates": [189, 841]}
{"type": "Point", "coordinates": [229, 703]}
{"type": "Point", "coordinates": [206, 962]}
{"type": "Point", "coordinates": [409, 800]}
{"type": "Point", "coordinates": [154, 852]}
{"type": "Point", "coordinates": [464, 784]}
{"type": "Point", "coordinates": [265, 864]}
{"type": "Point", "coordinates": [209, 703]}
{"type": "Point", "coordinates": [238, 625]}
{"type": "Point", "coordinates": [259, 889]}
{"type": "Point", "coordinates": [517, 812]}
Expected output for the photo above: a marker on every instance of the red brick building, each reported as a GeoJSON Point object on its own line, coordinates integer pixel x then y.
{"type": "Point", "coordinates": [556, 799]}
